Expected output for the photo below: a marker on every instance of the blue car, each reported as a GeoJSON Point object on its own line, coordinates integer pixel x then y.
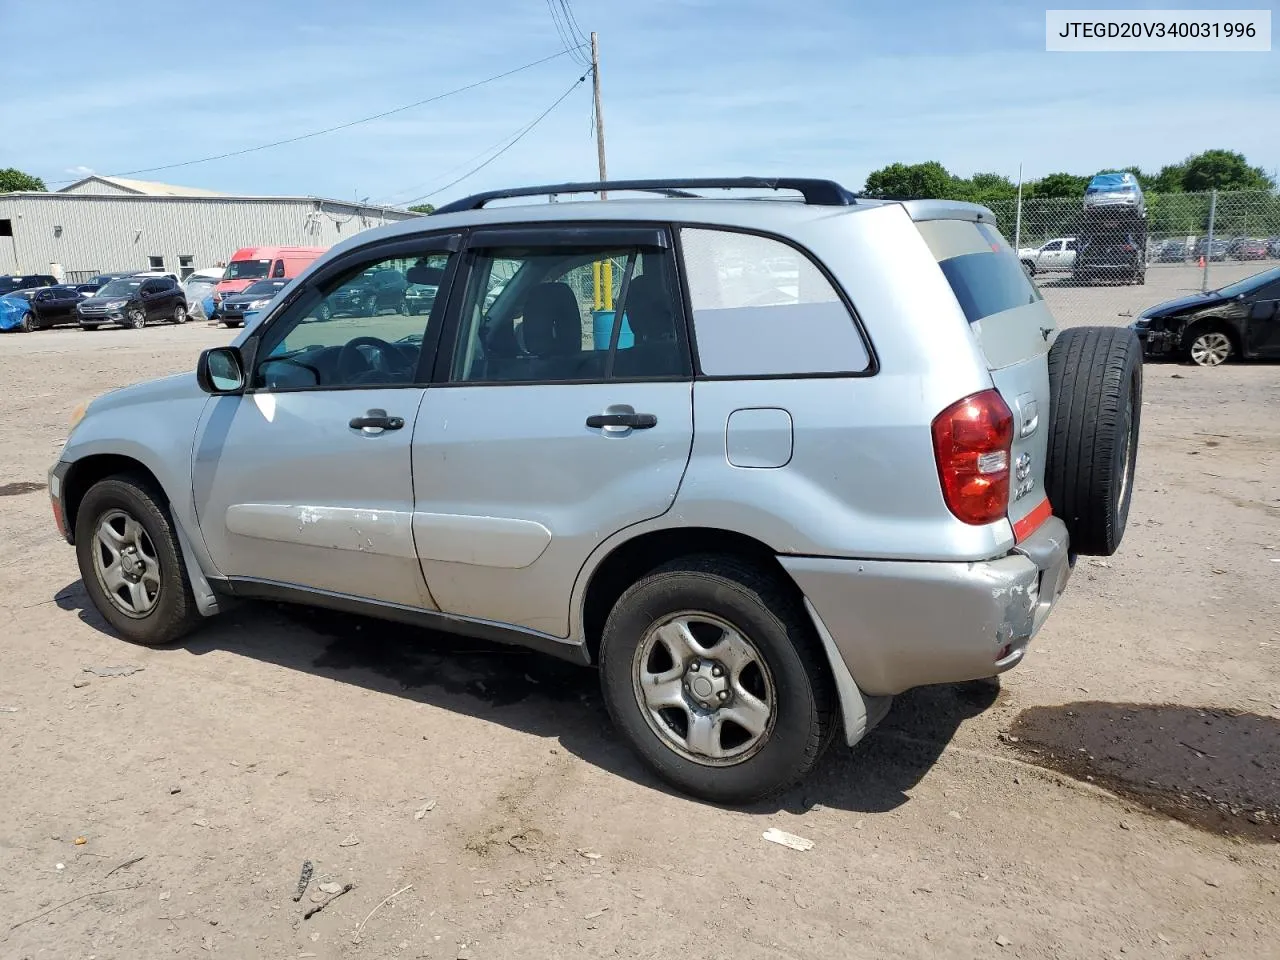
{"type": "Point", "coordinates": [15, 313]}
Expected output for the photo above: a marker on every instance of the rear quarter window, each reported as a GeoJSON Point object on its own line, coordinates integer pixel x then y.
{"type": "Point", "coordinates": [763, 308]}
{"type": "Point", "coordinates": [982, 269]}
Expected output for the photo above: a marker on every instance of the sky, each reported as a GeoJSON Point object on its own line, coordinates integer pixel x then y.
{"type": "Point", "coordinates": [828, 88]}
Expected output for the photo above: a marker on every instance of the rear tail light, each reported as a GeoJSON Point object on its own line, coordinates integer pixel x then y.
{"type": "Point", "coordinates": [972, 442]}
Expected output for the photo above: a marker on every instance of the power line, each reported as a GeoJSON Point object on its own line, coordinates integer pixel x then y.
{"type": "Point", "coordinates": [566, 29]}
{"type": "Point", "coordinates": [341, 126]}
{"type": "Point", "coordinates": [579, 34]}
{"type": "Point", "coordinates": [518, 137]}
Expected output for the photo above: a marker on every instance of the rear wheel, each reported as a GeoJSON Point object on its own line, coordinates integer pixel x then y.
{"type": "Point", "coordinates": [1209, 347]}
{"type": "Point", "coordinates": [711, 671]}
{"type": "Point", "coordinates": [130, 561]}
{"type": "Point", "coordinates": [1095, 388]}
{"type": "Point", "coordinates": [180, 313]}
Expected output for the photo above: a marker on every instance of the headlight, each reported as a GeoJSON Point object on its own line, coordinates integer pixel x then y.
{"type": "Point", "coordinates": [259, 304]}
{"type": "Point", "coordinates": [116, 303]}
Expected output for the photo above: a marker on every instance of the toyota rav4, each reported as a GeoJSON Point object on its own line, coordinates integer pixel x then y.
{"type": "Point", "coordinates": [766, 463]}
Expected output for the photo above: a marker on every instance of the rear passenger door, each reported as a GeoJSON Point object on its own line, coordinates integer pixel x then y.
{"type": "Point", "coordinates": [560, 412]}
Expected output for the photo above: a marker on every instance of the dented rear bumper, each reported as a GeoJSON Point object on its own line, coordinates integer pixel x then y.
{"type": "Point", "coordinates": [902, 624]}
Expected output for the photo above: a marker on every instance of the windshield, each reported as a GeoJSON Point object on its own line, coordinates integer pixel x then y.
{"type": "Point", "coordinates": [1250, 284]}
{"type": "Point", "coordinates": [246, 269]}
{"type": "Point", "coordinates": [266, 287]}
{"type": "Point", "coordinates": [120, 288]}
{"type": "Point", "coordinates": [7, 284]}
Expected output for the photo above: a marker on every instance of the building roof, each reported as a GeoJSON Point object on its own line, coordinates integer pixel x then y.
{"type": "Point", "coordinates": [149, 188]}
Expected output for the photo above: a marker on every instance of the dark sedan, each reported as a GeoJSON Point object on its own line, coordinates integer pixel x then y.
{"type": "Point", "coordinates": [50, 306]}
{"type": "Point", "coordinates": [1241, 319]}
{"type": "Point", "coordinates": [1250, 250]}
{"type": "Point", "coordinates": [370, 295]}
{"type": "Point", "coordinates": [252, 299]}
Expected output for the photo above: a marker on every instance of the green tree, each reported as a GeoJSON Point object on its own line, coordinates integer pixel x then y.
{"type": "Point", "coordinates": [903, 180]}
{"type": "Point", "coordinates": [984, 188]}
{"type": "Point", "coordinates": [423, 208]}
{"type": "Point", "coordinates": [12, 180]}
{"type": "Point", "coordinates": [1168, 180]}
{"type": "Point", "coordinates": [1056, 185]}
{"type": "Point", "coordinates": [1223, 170]}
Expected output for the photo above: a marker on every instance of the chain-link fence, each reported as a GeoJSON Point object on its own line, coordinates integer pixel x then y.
{"type": "Point", "coordinates": [1104, 264]}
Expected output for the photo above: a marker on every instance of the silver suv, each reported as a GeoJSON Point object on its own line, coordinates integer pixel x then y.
{"type": "Point", "coordinates": [766, 463]}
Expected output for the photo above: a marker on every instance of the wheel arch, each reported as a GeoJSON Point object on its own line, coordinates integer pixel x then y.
{"type": "Point", "coordinates": [88, 470]}
{"type": "Point", "coordinates": [1213, 322]}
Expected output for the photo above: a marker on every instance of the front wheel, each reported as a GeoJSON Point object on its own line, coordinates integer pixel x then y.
{"type": "Point", "coordinates": [1210, 348]}
{"type": "Point", "coordinates": [711, 671]}
{"type": "Point", "coordinates": [135, 319]}
{"type": "Point", "coordinates": [28, 324]}
{"type": "Point", "coordinates": [130, 561]}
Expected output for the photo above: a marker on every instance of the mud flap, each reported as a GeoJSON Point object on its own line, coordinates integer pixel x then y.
{"type": "Point", "coordinates": [861, 712]}
{"type": "Point", "coordinates": [207, 601]}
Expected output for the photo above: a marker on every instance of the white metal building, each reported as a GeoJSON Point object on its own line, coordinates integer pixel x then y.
{"type": "Point", "coordinates": [108, 224]}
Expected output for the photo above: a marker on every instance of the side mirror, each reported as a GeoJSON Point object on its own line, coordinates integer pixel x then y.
{"type": "Point", "coordinates": [220, 371]}
{"type": "Point", "coordinates": [1263, 310]}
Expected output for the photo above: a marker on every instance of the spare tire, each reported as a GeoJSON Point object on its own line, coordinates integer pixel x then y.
{"type": "Point", "coordinates": [1095, 395]}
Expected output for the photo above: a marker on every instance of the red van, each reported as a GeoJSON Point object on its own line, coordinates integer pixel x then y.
{"type": "Point", "coordinates": [260, 263]}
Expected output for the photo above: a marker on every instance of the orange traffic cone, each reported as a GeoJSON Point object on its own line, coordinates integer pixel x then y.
{"type": "Point", "coordinates": [1201, 263]}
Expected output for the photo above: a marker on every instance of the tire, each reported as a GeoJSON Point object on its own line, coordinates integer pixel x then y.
{"type": "Point", "coordinates": [180, 313]}
{"type": "Point", "coordinates": [324, 312]}
{"type": "Point", "coordinates": [28, 323]}
{"type": "Point", "coordinates": [1209, 345]}
{"type": "Point", "coordinates": [1095, 395]}
{"type": "Point", "coordinates": [785, 673]}
{"type": "Point", "coordinates": [160, 615]}
{"type": "Point", "coordinates": [135, 319]}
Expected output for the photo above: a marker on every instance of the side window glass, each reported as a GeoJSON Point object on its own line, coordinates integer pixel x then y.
{"type": "Point", "coordinates": [278, 269]}
{"type": "Point", "coordinates": [761, 307]}
{"type": "Point", "coordinates": [1071, 245]}
{"type": "Point", "coordinates": [360, 329]}
{"type": "Point", "coordinates": [565, 314]}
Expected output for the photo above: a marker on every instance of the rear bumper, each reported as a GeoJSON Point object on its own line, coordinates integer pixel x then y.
{"type": "Point", "coordinates": [903, 624]}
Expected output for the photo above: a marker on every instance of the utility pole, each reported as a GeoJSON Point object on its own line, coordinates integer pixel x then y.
{"type": "Point", "coordinates": [595, 85]}
{"type": "Point", "coordinates": [1017, 216]}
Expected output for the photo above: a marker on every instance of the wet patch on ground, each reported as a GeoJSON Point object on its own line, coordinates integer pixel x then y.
{"type": "Point", "coordinates": [19, 486]}
{"type": "Point", "coordinates": [1217, 770]}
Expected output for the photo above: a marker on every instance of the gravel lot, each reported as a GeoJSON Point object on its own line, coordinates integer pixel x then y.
{"type": "Point", "coordinates": [483, 788]}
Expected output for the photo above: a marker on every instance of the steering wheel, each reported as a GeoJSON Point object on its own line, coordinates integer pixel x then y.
{"type": "Point", "coordinates": [350, 354]}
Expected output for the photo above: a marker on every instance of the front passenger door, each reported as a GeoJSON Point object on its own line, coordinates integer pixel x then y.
{"type": "Point", "coordinates": [150, 296]}
{"type": "Point", "coordinates": [304, 482]}
{"type": "Point", "coordinates": [1262, 328]}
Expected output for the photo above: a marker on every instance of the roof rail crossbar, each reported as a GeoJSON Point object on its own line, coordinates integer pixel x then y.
{"type": "Point", "coordinates": [816, 192]}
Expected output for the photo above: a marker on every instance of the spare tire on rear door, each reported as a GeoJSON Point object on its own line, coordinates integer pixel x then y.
{"type": "Point", "coordinates": [1095, 392]}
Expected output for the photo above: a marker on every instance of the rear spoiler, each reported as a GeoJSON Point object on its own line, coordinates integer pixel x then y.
{"type": "Point", "coordinates": [920, 210]}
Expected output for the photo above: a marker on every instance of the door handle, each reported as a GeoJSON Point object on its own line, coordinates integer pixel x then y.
{"type": "Point", "coordinates": [376, 420]}
{"type": "Point", "coordinates": [638, 421]}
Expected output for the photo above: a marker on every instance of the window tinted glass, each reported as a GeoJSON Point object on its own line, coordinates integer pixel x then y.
{"type": "Point", "coordinates": [355, 333]}
{"type": "Point", "coordinates": [762, 307]}
{"type": "Point", "coordinates": [549, 315]}
{"type": "Point", "coordinates": [246, 269]}
{"type": "Point", "coordinates": [984, 273]}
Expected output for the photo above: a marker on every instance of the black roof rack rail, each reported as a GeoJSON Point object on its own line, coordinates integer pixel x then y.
{"type": "Point", "coordinates": [825, 193]}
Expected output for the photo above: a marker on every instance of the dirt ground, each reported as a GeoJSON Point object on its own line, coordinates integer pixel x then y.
{"type": "Point", "coordinates": [481, 807]}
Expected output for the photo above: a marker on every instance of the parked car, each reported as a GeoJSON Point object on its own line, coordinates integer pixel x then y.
{"type": "Point", "coordinates": [374, 292]}
{"type": "Point", "coordinates": [1273, 248]}
{"type": "Point", "coordinates": [133, 302]}
{"type": "Point", "coordinates": [26, 281]}
{"type": "Point", "coordinates": [15, 312]}
{"type": "Point", "coordinates": [743, 518]}
{"type": "Point", "coordinates": [1241, 319]}
{"type": "Point", "coordinates": [198, 287]}
{"type": "Point", "coordinates": [48, 306]}
{"type": "Point", "coordinates": [251, 300]}
{"type": "Point", "coordinates": [1112, 247]}
{"type": "Point", "coordinates": [262, 263]}
{"type": "Point", "coordinates": [1217, 250]}
{"type": "Point", "coordinates": [1055, 255]}
{"type": "Point", "coordinates": [1248, 249]}
{"type": "Point", "coordinates": [1172, 251]}
{"type": "Point", "coordinates": [1115, 189]}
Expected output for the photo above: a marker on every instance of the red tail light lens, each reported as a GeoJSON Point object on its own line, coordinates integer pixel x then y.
{"type": "Point", "coordinates": [972, 441]}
